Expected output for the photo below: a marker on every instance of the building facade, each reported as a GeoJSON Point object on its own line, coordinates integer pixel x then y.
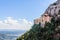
{"type": "Point", "coordinates": [42, 19]}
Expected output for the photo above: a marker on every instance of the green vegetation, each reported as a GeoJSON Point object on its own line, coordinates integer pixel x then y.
{"type": "Point", "coordinates": [51, 31]}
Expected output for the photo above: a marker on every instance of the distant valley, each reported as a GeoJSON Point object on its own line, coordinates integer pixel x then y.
{"type": "Point", "coordinates": [10, 35]}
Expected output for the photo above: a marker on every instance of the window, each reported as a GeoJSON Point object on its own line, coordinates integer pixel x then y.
{"type": "Point", "coordinates": [45, 15]}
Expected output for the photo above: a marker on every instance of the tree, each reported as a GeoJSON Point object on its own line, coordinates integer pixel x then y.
{"type": "Point", "coordinates": [51, 31]}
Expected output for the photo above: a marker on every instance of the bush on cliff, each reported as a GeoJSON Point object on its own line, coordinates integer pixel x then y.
{"type": "Point", "coordinates": [51, 31]}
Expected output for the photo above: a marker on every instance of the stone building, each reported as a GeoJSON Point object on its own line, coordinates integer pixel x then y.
{"type": "Point", "coordinates": [37, 21]}
{"type": "Point", "coordinates": [44, 18]}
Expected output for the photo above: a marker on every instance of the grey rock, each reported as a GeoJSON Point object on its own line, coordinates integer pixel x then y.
{"type": "Point", "coordinates": [54, 10]}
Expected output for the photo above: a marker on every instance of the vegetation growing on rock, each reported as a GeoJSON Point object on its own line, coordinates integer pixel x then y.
{"type": "Point", "coordinates": [51, 31]}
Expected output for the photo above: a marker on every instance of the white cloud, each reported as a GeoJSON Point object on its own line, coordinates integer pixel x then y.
{"type": "Point", "coordinates": [20, 24]}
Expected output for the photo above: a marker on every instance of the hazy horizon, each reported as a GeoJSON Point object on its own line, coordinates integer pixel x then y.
{"type": "Point", "coordinates": [20, 14]}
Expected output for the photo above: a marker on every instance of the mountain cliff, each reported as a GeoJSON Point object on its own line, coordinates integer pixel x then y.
{"type": "Point", "coordinates": [51, 29]}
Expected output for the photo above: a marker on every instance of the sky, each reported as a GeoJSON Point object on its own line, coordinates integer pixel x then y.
{"type": "Point", "coordinates": [19, 14]}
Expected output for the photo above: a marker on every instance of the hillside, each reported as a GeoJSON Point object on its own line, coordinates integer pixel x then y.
{"type": "Point", "coordinates": [51, 29]}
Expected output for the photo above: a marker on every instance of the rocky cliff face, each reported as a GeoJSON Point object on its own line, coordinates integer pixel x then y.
{"type": "Point", "coordinates": [53, 11]}
{"type": "Point", "coordinates": [51, 30]}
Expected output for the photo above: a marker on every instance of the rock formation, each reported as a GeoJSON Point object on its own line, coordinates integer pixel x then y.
{"type": "Point", "coordinates": [47, 27]}
{"type": "Point", "coordinates": [52, 11]}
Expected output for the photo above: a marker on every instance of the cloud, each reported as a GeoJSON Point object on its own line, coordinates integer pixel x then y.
{"type": "Point", "coordinates": [20, 24]}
